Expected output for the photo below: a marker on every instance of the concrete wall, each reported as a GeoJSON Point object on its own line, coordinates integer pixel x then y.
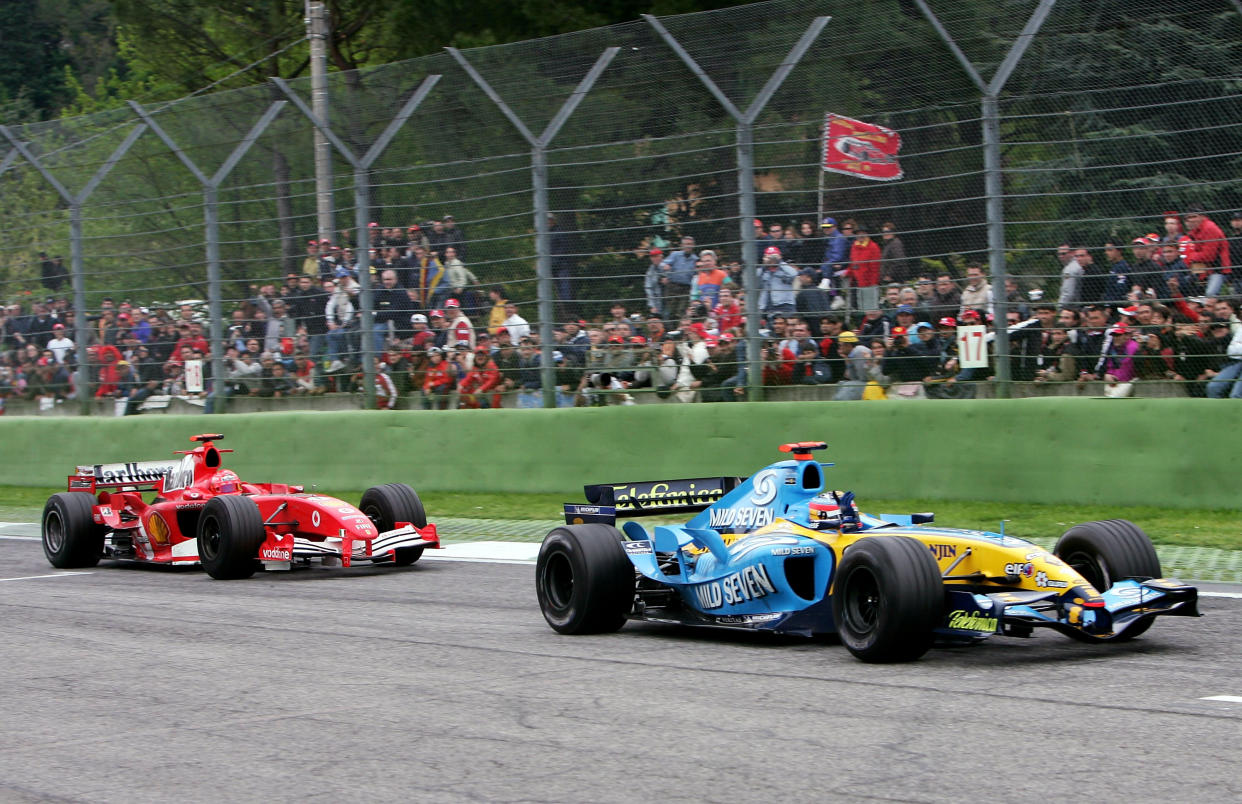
{"type": "Point", "coordinates": [1172, 452]}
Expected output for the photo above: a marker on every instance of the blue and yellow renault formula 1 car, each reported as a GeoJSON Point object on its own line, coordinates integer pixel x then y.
{"type": "Point", "coordinates": [777, 552]}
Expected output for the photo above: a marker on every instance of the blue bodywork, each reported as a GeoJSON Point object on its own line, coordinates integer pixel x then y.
{"type": "Point", "coordinates": [758, 557]}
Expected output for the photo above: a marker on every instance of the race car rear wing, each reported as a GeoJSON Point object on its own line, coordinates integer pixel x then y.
{"type": "Point", "coordinates": [607, 501]}
{"type": "Point", "coordinates": [139, 474]}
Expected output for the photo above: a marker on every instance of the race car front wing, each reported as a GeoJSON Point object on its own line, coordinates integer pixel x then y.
{"type": "Point", "coordinates": [343, 550]}
{"type": "Point", "coordinates": [1073, 611]}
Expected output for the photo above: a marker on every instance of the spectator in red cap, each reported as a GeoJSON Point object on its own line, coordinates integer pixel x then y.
{"type": "Point", "coordinates": [652, 288]}
{"type": "Point", "coordinates": [1118, 365]}
{"type": "Point", "coordinates": [60, 345]}
{"type": "Point", "coordinates": [778, 284]}
{"type": "Point", "coordinates": [1145, 272]}
{"type": "Point", "coordinates": [440, 329]}
{"type": "Point", "coordinates": [460, 327]}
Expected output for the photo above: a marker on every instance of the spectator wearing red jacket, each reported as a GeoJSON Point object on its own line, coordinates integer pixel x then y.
{"type": "Point", "coordinates": [439, 380]}
{"type": "Point", "coordinates": [1207, 253]}
{"type": "Point", "coordinates": [483, 376]}
{"type": "Point", "coordinates": [106, 357]}
{"type": "Point", "coordinates": [728, 313]}
{"type": "Point", "coordinates": [192, 337]}
{"type": "Point", "coordinates": [864, 269]}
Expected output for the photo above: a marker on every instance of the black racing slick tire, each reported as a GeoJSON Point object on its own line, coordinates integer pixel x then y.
{"type": "Point", "coordinates": [71, 539]}
{"type": "Point", "coordinates": [230, 531]}
{"type": "Point", "coordinates": [584, 580]}
{"type": "Point", "coordinates": [1108, 551]}
{"type": "Point", "coordinates": [887, 599]}
{"type": "Point", "coordinates": [1105, 552]}
{"type": "Point", "coordinates": [389, 504]}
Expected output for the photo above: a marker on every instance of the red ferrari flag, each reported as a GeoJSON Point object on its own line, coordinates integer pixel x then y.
{"type": "Point", "coordinates": [861, 149]}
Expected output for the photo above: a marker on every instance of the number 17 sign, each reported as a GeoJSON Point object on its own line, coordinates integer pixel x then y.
{"type": "Point", "coordinates": [972, 349]}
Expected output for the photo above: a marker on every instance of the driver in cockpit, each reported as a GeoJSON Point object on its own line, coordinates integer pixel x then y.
{"type": "Point", "coordinates": [834, 510]}
{"type": "Point", "coordinates": [225, 482]}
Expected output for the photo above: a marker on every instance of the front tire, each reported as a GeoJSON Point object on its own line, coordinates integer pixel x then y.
{"type": "Point", "coordinates": [71, 539]}
{"type": "Point", "coordinates": [389, 504]}
{"type": "Point", "coordinates": [887, 599]}
{"type": "Point", "coordinates": [230, 531]}
{"type": "Point", "coordinates": [1105, 552]}
{"type": "Point", "coordinates": [583, 579]}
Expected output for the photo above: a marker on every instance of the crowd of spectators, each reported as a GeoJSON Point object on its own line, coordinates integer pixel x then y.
{"type": "Point", "coordinates": [837, 308]}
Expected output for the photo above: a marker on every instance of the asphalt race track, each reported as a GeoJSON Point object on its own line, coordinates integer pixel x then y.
{"type": "Point", "coordinates": [441, 682]}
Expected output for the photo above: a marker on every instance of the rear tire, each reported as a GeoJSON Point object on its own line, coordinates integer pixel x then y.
{"type": "Point", "coordinates": [71, 539]}
{"type": "Point", "coordinates": [392, 503]}
{"type": "Point", "coordinates": [584, 580]}
{"type": "Point", "coordinates": [887, 599]}
{"type": "Point", "coordinates": [230, 531]}
{"type": "Point", "coordinates": [1105, 552]}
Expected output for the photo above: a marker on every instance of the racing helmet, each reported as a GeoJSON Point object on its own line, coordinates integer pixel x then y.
{"type": "Point", "coordinates": [225, 482]}
{"type": "Point", "coordinates": [825, 511]}
{"type": "Point", "coordinates": [833, 509]}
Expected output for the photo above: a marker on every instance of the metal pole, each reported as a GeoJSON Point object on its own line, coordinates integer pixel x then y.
{"type": "Point", "coordinates": [993, 188]}
{"type": "Point", "coordinates": [317, 30]}
{"type": "Point", "coordinates": [993, 179]}
{"type": "Point", "coordinates": [362, 208]}
{"type": "Point", "coordinates": [211, 225]}
{"type": "Point", "coordinates": [81, 328]}
{"type": "Point", "coordinates": [362, 211]}
{"type": "Point", "coordinates": [543, 271]}
{"type": "Point", "coordinates": [539, 190]}
{"type": "Point", "coordinates": [75, 240]}
{"type": "Point", "coordinates": [746, 175]}
{"type": "Point", "coordinates": [750, 258]}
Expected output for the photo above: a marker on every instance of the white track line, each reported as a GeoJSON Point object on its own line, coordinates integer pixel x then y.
{"type": "Point", "coordinates": [35, 577]}
{"type": "Point", "coordinates": [1229, 698]}
{"type": "Point", "coordinates": [20, 538]}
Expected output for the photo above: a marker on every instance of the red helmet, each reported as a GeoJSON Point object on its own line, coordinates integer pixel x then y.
{"type": "Point", "coordinates": [225, 482]}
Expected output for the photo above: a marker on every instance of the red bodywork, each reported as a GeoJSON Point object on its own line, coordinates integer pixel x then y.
{"type": "Point", "coordinates": [163, 528]}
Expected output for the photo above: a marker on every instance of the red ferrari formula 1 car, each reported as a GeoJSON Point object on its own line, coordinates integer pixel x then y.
{"type": "Point", "coordinates": [201, 513]}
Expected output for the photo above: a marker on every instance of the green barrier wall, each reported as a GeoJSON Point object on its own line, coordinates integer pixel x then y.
{"type": "Point", "coordinates": [1171, 452]}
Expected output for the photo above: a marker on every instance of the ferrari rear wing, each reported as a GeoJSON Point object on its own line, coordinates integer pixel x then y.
{"type": "Point", "coordinates": [607, 501]}
{"type": "Point", "coordinates": [145, 474]}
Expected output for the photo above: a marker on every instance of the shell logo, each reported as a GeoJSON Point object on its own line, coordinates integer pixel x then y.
{"type": "Point", "coordinates": [157, 529]}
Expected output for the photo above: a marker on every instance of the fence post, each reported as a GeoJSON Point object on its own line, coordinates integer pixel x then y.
{"type": "Point", "coordinates": [211, 225]}
{"type": "Point", "coordinates": [539, 198]}
{"type": "Point", "coordinates": [746, 176]}
{"type": "Point", "coordinates": [993, 175]}
{"type": "Point", "coordinates": [362, 209]}
{"type": "Point", "coordinates": [80, 328]}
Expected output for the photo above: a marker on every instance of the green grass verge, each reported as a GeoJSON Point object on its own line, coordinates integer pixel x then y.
{"type": "Point", "coordinates": [1192, 528]}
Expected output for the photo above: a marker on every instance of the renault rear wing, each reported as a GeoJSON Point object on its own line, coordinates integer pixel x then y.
{"type": "Point", "coordinates": [607, 501]}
